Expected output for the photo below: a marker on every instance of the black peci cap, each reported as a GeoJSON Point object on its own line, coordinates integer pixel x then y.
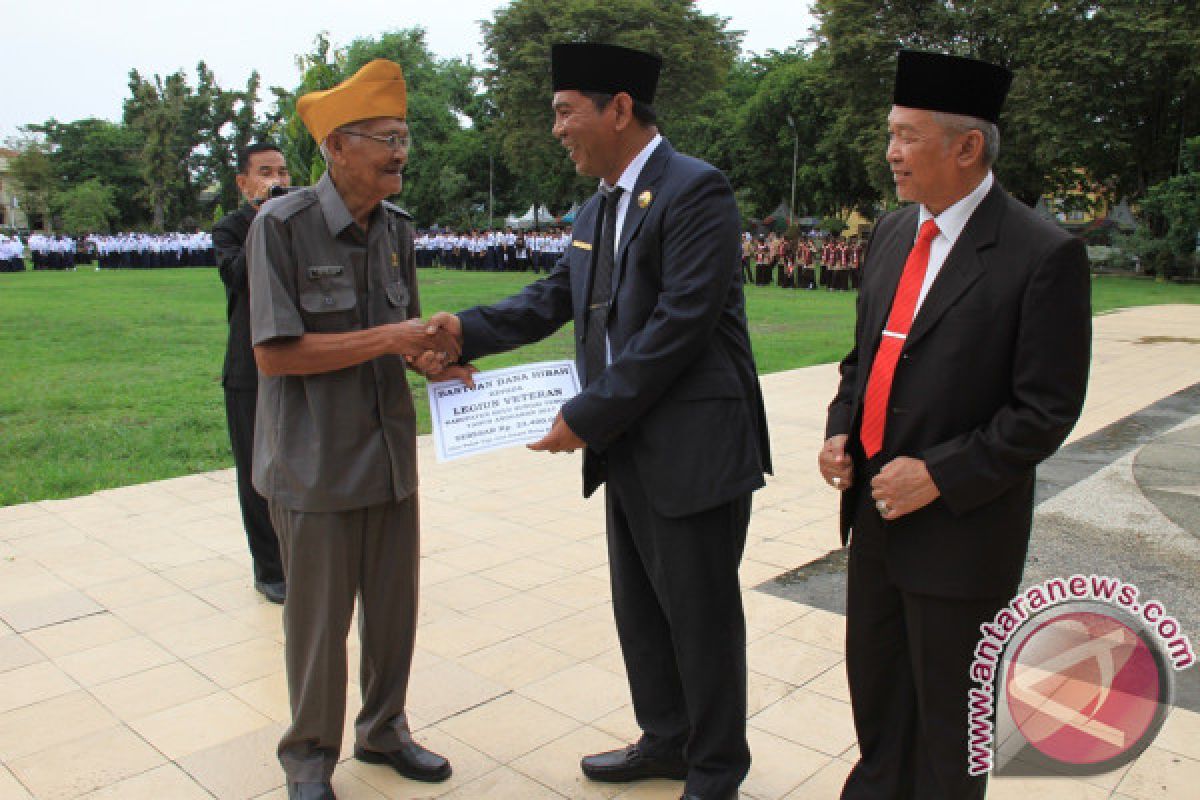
{"type": "Point", "coordinates": [953, 84]}
{"type": "Point", "coordinates": [606, 68]}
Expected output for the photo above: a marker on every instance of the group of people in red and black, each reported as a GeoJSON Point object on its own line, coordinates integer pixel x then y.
{"type": "Point", "coordinates": [802, 263]}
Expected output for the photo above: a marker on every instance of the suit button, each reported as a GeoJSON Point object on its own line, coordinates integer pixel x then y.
{"type": "Point", "coordinates": [328, 300]}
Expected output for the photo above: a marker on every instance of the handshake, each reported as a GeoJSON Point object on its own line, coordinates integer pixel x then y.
{"type": "Point", "coordinates": [432, 347]}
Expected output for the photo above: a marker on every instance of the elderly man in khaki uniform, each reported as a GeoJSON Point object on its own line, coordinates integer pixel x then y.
{"type": "Point", "coordinates": [334, 316]}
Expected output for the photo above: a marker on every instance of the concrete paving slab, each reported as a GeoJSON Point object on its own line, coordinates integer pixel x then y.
{"type": "Point", "coordinates": [195, 708]}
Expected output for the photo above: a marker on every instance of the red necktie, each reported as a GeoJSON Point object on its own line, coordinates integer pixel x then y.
{"type": "Point", "coordinates": [900, 320]}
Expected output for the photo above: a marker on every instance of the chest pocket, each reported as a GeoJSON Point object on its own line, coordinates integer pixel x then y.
{"type": "Point", "coordinates": [328, 299]}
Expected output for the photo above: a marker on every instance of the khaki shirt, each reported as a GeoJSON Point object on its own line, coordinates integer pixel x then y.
{"type": "Point", "coordinates": [345, 439]}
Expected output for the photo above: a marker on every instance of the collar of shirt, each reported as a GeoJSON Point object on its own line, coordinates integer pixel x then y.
{"type": "Point", "coordinates": [628, 179]}
{"type": "Point", "coordinates": [951, 223]}
{"type": "Point", "coordinates": [628, 182]}
{"type": "Point", "coordinates": [337, 216]}
{"type": "Point", "coordinates": [333, 208]}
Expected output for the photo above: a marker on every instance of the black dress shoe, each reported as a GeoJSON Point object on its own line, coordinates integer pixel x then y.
{"type": "Point", "coordinates": [410, 760]}
{"type": "Point", "coordinates": [275, 592]}
{"type": "Point", "coordinates": [310, 791]}
{"type": "Point", "coordinates": [631, 764]}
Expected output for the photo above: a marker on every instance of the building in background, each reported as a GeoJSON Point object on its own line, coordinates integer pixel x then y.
{"type": "Point", "coordinates": [11, 216]}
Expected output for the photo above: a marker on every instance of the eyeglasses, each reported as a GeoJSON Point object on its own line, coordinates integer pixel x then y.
{"type": "Point", "coordinates": [394, 141]}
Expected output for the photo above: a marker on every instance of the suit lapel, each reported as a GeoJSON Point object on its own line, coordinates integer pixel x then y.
{"type": "Point", "coordinates": [962, 267]}
{"type": "Point", "coordinates": [587, 224]}
{"type": "Point", "coordinates": [636, 212]}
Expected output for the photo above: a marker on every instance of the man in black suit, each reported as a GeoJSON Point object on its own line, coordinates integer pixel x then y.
{"type": "Point", "coordinates": [260, 167]}
{"type": "Point", "coordinates": [969, 368]}
{"type": "Point", "coordinates": [670, 416]}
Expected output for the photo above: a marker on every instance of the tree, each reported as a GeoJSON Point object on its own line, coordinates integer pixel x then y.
{"type": "Point", "coordinates": [88, 207]}
{"type": "Point", "coordinates": [156, 109]}
{"type": "Point", "coordinates": [858, 42]}
{"type": "Point", "coordinates": [784, 115]}
{"type": "Point", "coordinates": [440, 94]}
{"type": "Point", "coordinates": [697, 52]}
{"type": "Point", "coordinates": [715, 134]}
{"type": "Point", "coordinates": [190, 137]}
{"type": "Point", "coordinates": [33, 174]}
{"type": "Point", "coordinates": [833, 225]}
{"type": "Point", "coordinates": [96, 149]}
{"type": "Point", "coordinates": [230, 124]}
{"type": "Point", "coordinates": [1107, 88]}
{"type": "Point", "coordinates": [1172, 213]}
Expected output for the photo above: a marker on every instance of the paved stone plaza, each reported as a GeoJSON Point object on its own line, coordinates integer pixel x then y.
{"type": "Point", "coordinates": [137, 661]}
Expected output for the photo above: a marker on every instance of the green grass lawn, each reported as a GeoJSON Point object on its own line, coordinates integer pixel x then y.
{"type": "Point", "coordinates": [113, 378]}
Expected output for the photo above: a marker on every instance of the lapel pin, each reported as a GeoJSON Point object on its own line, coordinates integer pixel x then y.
{"type": "Point", "coordinates": [644, 199]}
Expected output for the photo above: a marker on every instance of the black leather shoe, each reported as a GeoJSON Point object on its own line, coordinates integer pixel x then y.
{"type": "Point", "coordinates": [310, 791]}
{"type": "Point", "coordinates": [411, 761]}
{"type": "Point", "coordinates": [275, 592]}
{"type": "Point", "coordinates": [631, 764]}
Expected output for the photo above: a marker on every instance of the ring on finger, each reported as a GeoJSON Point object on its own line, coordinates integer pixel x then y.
{"type": "Point", "coordinates": [881, 507]}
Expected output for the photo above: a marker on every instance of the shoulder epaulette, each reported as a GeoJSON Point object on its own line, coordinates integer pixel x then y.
{"type": "Point", "coordinates": [288, 205]}
{"type": "Point", "coordinates": [397, 210]}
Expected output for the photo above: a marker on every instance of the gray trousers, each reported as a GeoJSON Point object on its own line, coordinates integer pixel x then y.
{"type": "Point", "coordinates": [328, 558]}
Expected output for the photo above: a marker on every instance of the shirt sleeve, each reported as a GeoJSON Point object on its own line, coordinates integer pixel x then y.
{"type": "Point", "coordinates": [230, 253]}
{"type": "Point", "coordinates": [273, 309]}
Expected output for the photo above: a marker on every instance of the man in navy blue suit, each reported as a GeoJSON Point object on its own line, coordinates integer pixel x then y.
{"type": "Point", "coordinates": [670, 416]}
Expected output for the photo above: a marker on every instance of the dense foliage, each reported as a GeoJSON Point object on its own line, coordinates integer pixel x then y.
{"type": "Point", "coordinates": [1105, 96]}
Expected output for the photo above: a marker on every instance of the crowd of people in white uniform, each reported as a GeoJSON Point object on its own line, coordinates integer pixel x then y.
{"type": "Point", "coordinates": [147, 250]}
{"type": "Point", "coordinates": [806, 263]}
{"type": "Point", "coordinates": [12, 254]}
{"type": "Point", "coordinates": [115, 251]}
{"type": "Point", "coordinates": [492, 251]}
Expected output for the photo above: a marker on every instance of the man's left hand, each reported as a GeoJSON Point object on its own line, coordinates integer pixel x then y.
{"type": "Point", "coordinates": [902, 487]}
{"type": "Point", "coordinates": [560, 439]}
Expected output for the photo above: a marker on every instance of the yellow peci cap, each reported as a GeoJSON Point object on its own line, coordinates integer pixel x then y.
{"type": "Point", "coordinates": [376, 90]}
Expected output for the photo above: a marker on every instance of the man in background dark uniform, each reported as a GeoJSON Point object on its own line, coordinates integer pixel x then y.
{"type": "Point", "coordinates": [260, 167]}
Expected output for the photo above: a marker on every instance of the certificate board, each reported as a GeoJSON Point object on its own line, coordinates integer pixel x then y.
{"type": "Point", "coordinates": [507, 407]}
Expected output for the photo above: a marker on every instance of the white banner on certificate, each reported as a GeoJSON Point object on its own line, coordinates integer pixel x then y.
{"type": "Point", "coordinates": [507, 407]}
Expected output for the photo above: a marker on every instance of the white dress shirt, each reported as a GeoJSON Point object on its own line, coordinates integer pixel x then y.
{"type": "Point", "coordinates": [628, 182]}
{"type": "Point", "coordinates": [950, 226]}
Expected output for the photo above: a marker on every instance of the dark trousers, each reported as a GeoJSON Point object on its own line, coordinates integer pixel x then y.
{"type": "Point", "coordinates": [260, 534]}
{"type": "Point", "coordinates": [908, 658]}
{"type": "Point", "coordinates": [678, 609]}
{"type": "Point", "coordinates": [373, 554]}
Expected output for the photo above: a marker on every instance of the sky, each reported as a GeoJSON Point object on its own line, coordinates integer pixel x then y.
{"type": "Point", "coordinates": [69, 59]}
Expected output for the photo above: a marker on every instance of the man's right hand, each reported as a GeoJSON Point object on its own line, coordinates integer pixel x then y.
{"type": "Point", "coordinates": [259, 191]}
{"type": "Point", "coordinates": [837, 468]}
{"type": "Point", "coordinates": [413, 338]}
{"type": "Point", "coordinates": [446, 322]}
